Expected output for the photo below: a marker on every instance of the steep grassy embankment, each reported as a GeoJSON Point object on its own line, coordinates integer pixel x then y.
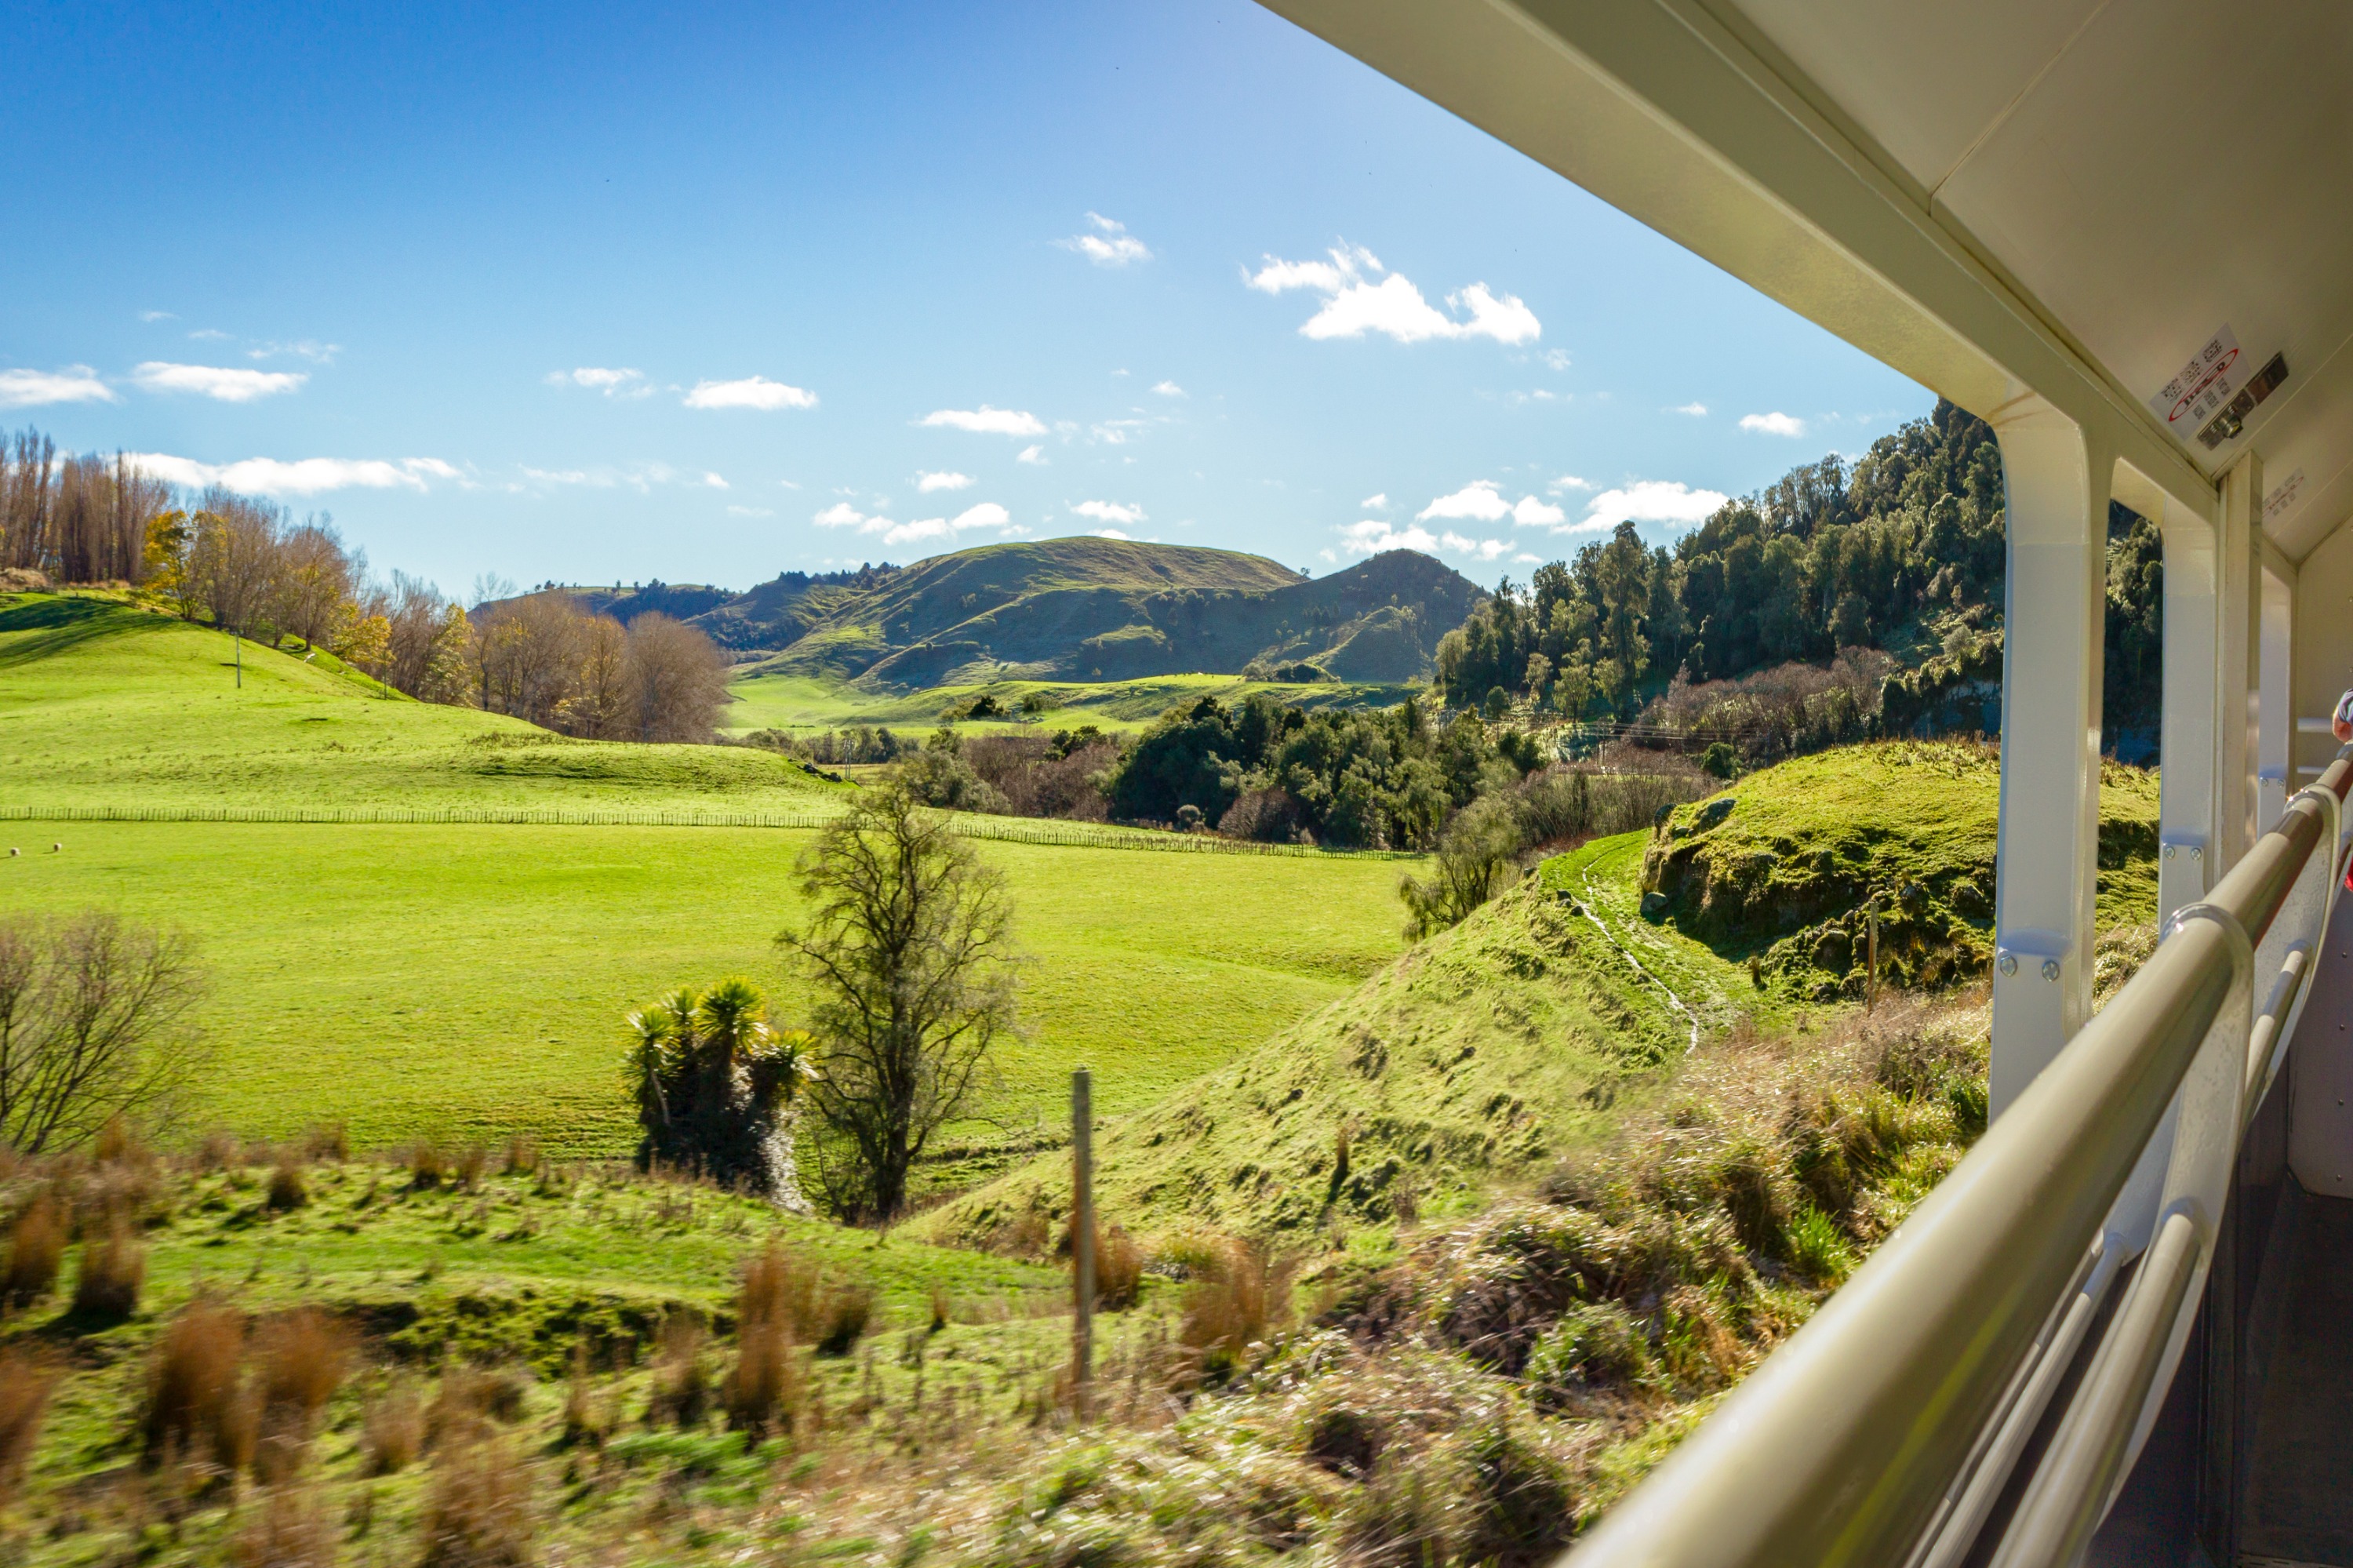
{"type": "Point", "coordinates": [1512, 1039]}
{"type": "Point", "coordinates": [105, 704]}
{"type": "Point", "coordinates": [1784, 867]}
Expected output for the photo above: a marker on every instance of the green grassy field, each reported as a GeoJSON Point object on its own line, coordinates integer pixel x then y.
{"type": "Point", "coordinates": [103, 702]}
{"type": "Point", "coordinates": [804, 703]}
{"type": "Point", "coordinates": [472, 978]}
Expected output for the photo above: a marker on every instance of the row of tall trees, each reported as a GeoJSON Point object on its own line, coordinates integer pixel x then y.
{"type": "Point", "coordinates": [75, 519]}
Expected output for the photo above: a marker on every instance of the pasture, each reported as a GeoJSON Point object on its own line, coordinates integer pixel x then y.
{"type": "Point", "coordinates": [801, 702]}
{"type": "Point", "coordinates": [468, 981]}
{"type": "Point", "coordinates": [103, 702]}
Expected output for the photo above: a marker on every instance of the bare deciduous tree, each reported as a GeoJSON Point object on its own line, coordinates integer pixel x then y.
{"type": "Point", "coordinates": [909, 948]}
{"type": "Point", "coordinates": [94, 1025]}
{"type": "Point", "coordinates": [678, 680]}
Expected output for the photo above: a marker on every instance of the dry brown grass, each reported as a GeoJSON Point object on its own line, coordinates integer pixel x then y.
{"type": "Point", "coordinates": [763, 1391]}
{"type": "Point", "coordinates": [304, 1357]}
{"type": "Point", "coordinates": [392, 1434]}
{"type": "Point", "coordinates": [842, 1319]}
{"type": "Point", "coordinates": [470, 1167]}
{"type": "Point", "coordinates": [113, 1272]}
{"type": "Point", "coordinates": [26, 1380]}
{"type": "Point", "coordinates": [1119, 1269]}
{"type": "Point", "coordinates": [36, 1245]}
{"type": "Point", "coordinates": [197, 1405]}
{"type": "Point", "coordinates": [478, 1513]}
{"type": "Point", "coordinates": [470, 1397]}
{"type": "Point", "coordinates": [523, 1155]}
{"type": "Point", "coordinates": [682, 1386]}
{"type": "Point", "coordinates": [292, 1528]}
{"type": "Point", "coordinates": [1239, 1300]}
{"type": "Point", "coordinates": [327, 1141]}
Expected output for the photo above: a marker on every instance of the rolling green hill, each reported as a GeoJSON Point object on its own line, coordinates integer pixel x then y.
{"type": "Point", "coordinates": [1500, 1045]}
{"type": "Point", "coordinates": [1083, 609]}
{"type": "Point", "coordinates": [107, 704]}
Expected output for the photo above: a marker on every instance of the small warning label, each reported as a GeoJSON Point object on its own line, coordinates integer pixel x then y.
{"type": "Point", "coordinates": [2202, 387]}
{"type": "Point", "coordinates": [2282, 498]}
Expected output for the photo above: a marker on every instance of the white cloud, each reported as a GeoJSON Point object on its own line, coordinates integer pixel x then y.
{"type": "Point", "coordinates": [985, 421]}
{"type": "Point", "coordinates": [613, 381]}
{"type": "Point", "coordinates": [1032, 455]}
{"type": "Point", "coordinates": [1696, 410]}
{"type": "Point", "coordinates": [1372, 535]}
{"type": "Point", "coordinates": [1116, 432]}
{"type": "Point", "coordinates": [308, 348]}
{"type": "Point", "coordinates": [74, 384]}
{"type": "Point", "coordinates": [1557, 357]}
{"type": "Point", "coordinates": [1482, 549]}
{"type": "Point", "coordinates": [1773, 424]}
{"type": "Point", "coordinates": [1481, 500]}
{"type": "Point", "coordinates": [927, 481]}
{"type": "Point", "coordinates": [220, 383]}
{"type": "Point", "coordinates": [305, 476]}
{"type": "Point", "coordinates": [1110, 245]}
{"type": "Point", "coordinates": [751, 392]}
{"type": "Point", "coordinates": [210, 334]}
{"type": "Point", "coordinates": [1355, 305]}
{"type": "Point", "coordinates": [1569, 482]}
{"type": "Point", "coordinates": [1168, 389]}
{"type": "Point", "coordinates": [1109, 512]}
{"type": "Point", "coordinates": [1109, 533]}
{"type": "Point", "coordinates": [712, 482]}
{"type": "Point", "coordinates": [987, 515]}
{"type": "Point", "coordinates": [1375, 503]}
{"type": "Point", "coordinates": [1648, 501]}
{"type": "Point", "coordinates": [157, 316]}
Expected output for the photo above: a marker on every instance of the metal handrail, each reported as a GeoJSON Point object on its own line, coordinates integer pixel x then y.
{"type": "Point", "coordinates": [1847, 1443]}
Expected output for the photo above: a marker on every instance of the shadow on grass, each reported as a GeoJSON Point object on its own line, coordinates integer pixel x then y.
{"type": "Point", "coordinates": [42, 628]}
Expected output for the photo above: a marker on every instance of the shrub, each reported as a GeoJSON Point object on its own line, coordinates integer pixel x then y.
{"type": "Point", "coordinates": [843, 1319]}
{"type": "Point", "coordinates": [426, 1165]}
{"type": "Point", "coordinates": [327, 1140]}
{"type": "Point", "coordinates": [1599, 1345]}
{"type": "Point", "coordinates": [197, 1404]}
{"type": "Point", "coordinates": [36, 1244]}
{"type": "Point", "coordinates": [470, 1166]}
{"type": "Point", "coordinates": [288, 1191]}
{"type": "Point", "coordinates": [1266, 816]}
{"type": "Point", "coordinates": [470, 1395]}
{"type": "Point", "coordinates": [584, 1422]}
{"type": "Point", "coordinates": [393, 1431]}
{"type": "Point", "coordinates": [26, 1384]}
{"type": "Point", "coordinates": [1818, 1248]}
{"type": "Point", "coordinates": [477, 1512]}
{"type": "Point", "coordinates": [113, 1271]}
{"type": "Point", "coordinates": [523, 1155]}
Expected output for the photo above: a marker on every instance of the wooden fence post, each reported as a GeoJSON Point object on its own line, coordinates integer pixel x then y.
{"type": "Point", "coordinates": [1083, 1239]}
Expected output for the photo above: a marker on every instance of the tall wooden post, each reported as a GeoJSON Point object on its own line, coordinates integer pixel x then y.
{"type": "Point", "coordinates": [1083, 1239]}
{"type": "Point", "coordinates": [1871, 998]}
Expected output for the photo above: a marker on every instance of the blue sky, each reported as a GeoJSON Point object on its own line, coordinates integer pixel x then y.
{"type": "Point", "coordinates": [606, 293]}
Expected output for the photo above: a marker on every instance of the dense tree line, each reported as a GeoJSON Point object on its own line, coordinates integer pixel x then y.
{"type": "Point", "coordinates": [1830, 557]}
{"type": "Point", "coordinates": [247, 566]}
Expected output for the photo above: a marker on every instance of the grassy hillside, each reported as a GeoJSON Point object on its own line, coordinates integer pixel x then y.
{"type": "Point", "coordinates": [1097, 610]}
{"type": "Point", "coordinates": [103, 702]}
{"type": "Point", "coordinates": [1512, 1039]}
{"type": "Point", "coordinates": [472, 978]}
{"type": "Point", "coordinates": [811, 702]}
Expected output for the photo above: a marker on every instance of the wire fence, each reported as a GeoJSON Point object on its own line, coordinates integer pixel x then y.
{"type": "Point", "coordinates": [1009, 830]}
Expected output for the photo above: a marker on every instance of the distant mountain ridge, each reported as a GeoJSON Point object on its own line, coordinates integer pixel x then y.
{"type": "Point", "coordinates": [1082, 610]}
